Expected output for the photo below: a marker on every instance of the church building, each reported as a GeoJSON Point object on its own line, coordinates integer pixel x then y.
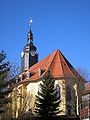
{"type": "Point", "coordinates": [67, 80]}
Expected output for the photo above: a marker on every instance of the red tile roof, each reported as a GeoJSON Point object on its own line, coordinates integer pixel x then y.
{"type": "Point", "coordinates": [88, 87]}
{"type": "Point", "coordinates": [84, 112]}
{"type": "Point", "coordinates": [58, 65]}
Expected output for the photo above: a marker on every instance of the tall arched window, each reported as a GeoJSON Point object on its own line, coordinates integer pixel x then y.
{"type": "Point", "coordinates": [58, 89]}
{"type": "Point", "coordinates": [69, 99]}
{"type": "Point", "coordinates": [68, 93]}
{"type": "Point", "coordinates": [39, 88]}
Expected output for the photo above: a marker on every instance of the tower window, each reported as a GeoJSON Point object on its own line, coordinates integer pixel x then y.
{"type": "Point", "coordinates": [26, 61]}
{"type": "Point", "coordinates": [31, 41]}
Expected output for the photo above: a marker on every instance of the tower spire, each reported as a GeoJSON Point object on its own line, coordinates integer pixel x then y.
{"type": "Point", "coordinates": [29, 55]}
{"type": "Point", "coordinates": [30, 35]}
{"type": "Point", "coordinates": [30, 22]}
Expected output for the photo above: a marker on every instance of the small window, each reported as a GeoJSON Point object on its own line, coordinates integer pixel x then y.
{"type": "Point", "coordinates": [39, 72]}
{"type": "Point", "coordinates": [28, 74]}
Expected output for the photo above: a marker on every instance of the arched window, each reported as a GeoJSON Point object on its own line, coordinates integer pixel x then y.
{"type": "Point", "coordinates": [39, 88]}
{"type": "Point", "coordinates": [58, 89]}
{"type": "Point", "coordinates": [68, 93]}
{"type": "Point", "coordinates": [69, 99]}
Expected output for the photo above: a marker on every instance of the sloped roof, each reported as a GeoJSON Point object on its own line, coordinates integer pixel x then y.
{"type": "Point", "coordinates": [58, 66]}
{"type": "Point", "coordinates": [88, 87]}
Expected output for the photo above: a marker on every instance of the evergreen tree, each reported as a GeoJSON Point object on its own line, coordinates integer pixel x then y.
{"type": "Point", "coordinates": [4, 84]}
{"type": "Point", "coordinates": [47, 100]}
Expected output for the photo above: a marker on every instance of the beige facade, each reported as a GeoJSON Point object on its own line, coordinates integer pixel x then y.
{"type": "Point", "coordinates": [24, 96]}
{"type": "Point", "coordinates": [33, 87]}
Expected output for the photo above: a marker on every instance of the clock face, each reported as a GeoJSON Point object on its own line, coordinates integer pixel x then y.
{"type": "Point", "coordinates": [33, 53]}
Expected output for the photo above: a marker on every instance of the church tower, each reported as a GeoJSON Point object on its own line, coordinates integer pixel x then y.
{"type": "Point", "coordinates": [29, 56]}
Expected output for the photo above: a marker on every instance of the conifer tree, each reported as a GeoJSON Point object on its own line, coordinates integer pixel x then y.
{"type": "Point", "coordinates": [47, 100]}
{"type": "Point", "coordinates": [4, 88]}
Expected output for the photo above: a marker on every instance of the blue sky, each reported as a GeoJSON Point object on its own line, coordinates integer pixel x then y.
{"type": "Point", "coordinates": [57, 24]}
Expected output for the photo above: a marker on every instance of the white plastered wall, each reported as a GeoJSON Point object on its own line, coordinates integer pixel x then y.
{"type": "Point", "coordinates": [32, 89]}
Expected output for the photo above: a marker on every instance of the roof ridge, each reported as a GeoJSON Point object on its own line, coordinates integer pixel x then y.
{"type": "Point", "coordinates": [61, 63]}
{"type": "Point", "coordinates": [53, 58]}
{"type": "Point", "coordinates": [67, 62]}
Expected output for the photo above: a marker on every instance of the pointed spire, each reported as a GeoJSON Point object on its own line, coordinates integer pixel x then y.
{"type": "Point", "coordinates": [30, 22]}
{"type": "Point", "coordinates": [30, 35]}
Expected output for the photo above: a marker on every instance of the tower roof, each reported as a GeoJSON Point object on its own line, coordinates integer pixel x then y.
{"type": "Point", "coordinates": [58, 66]}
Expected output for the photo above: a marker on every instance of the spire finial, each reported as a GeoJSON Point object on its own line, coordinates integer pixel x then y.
{"type": "Point", "coordinates": [30, 22]}
{"type": "Point", "coordinates": [30, 35]}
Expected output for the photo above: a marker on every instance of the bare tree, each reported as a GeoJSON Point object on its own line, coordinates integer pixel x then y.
{"type": "Point", "coordinates": [72, 94]}
{"type": "Point", "coordinates": [14, 72]}
{"type": "Point", "coordinates": [83, 72]}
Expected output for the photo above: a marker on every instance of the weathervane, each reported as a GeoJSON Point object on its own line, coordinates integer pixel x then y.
{"type": "Point", "coordinates": [30, 23]}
